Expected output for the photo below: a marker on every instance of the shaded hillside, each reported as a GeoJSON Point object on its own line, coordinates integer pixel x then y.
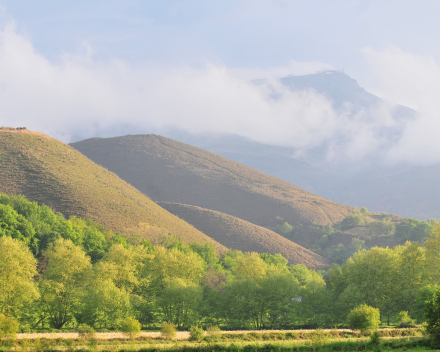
{"type": "Point", "coordinates": [171, 171]}
{"type": "Point", "coordinates": [235, 233]}
{"type": "Point", "coordinates": [52, 173]}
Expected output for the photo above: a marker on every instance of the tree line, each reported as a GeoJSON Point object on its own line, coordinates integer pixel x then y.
{"type": "Point", "coordinates": [57, 273]}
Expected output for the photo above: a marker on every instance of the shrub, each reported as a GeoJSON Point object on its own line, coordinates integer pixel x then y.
{"type": "Point", "coordinates": [196, 333]}
{"type": "Point", "coordinates": [404, 320]}
{"type": "Point", "coordinates": [8, 327]}
{"type": "Point", "coordinates": [131, 327]}
{"type": "Point", "coordinates": [319, 338]}
{"type": "Point", "coordinates": [364, 318]}
{"type": "Point", "coordinates": [168, 331]}
{"type": "Point", "coordinates": [86, 332]}
{"type": "Point", "coordinates": [375, 338]}
{"type": "Point", "coordinates": [213, 331]}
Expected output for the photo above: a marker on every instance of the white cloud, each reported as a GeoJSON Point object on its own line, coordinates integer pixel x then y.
{"type": "Point", "coordinates": [81, 97]}
{"type": "Point", "coordinates": [414, 81]}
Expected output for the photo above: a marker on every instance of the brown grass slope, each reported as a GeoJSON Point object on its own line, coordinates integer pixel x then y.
{"type": "Point", "coordinates": [52, 173]}
{"type": "Point", "coordinates": [236, 233]}
{"type": "Point", "coordinates": [171, 171]}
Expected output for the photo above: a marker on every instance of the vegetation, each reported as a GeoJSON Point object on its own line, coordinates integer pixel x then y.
{"type": "Point", "coordinates": [364, 318]}
{"type": "Point", "coordinates": [51, 173]}
{"type": "Point", "coordinates": [238, 234]}
{"type": "Point", "coordinates": [168, 331]}
{"type": "Point", "coordinates": [131, 327]}
{"type": "Point", "coordinates": [196, 333]}
{"type": "Point", "coordinates": [194, 286]}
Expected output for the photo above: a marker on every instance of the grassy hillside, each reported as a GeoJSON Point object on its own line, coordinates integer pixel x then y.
{"type": "Point", "coordinates": [170, 171]}
{"type": "Point", "coordinates": [50, 172]}
{"type": "Point", "coordinates": [235, 233]}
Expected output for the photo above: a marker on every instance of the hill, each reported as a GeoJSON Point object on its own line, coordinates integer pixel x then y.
{"type": "Point", "coordinates": [236, 233]}
{"type": "Point", "coordinates": [171, 171]}
{"type": "Point", "coordinates": [52, 173]}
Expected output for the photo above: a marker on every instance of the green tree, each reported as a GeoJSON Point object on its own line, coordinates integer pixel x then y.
{"type": "Point", "coordinates": [351, 221]}
{"type": "Point", "coordinates": [372, 277]}
{"type": "Point", "coordinates": [285, 228]}
{"type": "Point", "coordinates": [18, 268]}
{"type": "Point", "coordinates": [432, 315]}
{"type": "Point", "coordinates": [180, 302]}
{"type": "Point", "coordinates": [64, 281]}
{"type": "Point", "coordinates": [104, 306]}
{"type": "Point", "coordinates": [364, 318]}
{"type": "Point", "coordinates": [412, 230]}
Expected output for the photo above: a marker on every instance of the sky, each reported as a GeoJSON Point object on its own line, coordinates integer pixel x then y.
{"type": "Point", "coordinates": [80, 68]}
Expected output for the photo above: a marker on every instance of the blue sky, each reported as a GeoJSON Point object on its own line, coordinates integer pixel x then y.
{"type": "Point", "coordinates": [237, 34]}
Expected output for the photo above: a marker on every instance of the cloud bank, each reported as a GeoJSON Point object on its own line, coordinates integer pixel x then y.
{"type": "Point", "coordinates": [79, 97]}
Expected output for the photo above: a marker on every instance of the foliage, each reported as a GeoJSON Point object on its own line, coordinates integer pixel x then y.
{"type": "Point", "coordinates": [196, 333]}
{"type": "Point", "coordinates": [8, 327]}
{"type": "Point", "coordinates": [404, 320]}
{"type": "Point", "coordinates": [375, 338]}
{"type": "Point", "coordinates": [131, 327]}
{"type": "Point", "coordinates": [213, 331]}
{"type": "Point", "coordinates": [285, 228]}
{"type": "Point", "coordinates": [86, 332]}
{"type": "Point", "coordinates": [194, 286]}
{"type": "Point", "coordinates": [364, 318]}
{"type": "Point", "coordinates": [168, 331]}
{"type": "Point", "coordinates": [412, 230]}
{"type": "Point", "coordinates": [432, 315]}
{"type": "Point", "coordinates": [351, 221]}
{"type": "Point", "coordinates": [17, 270]}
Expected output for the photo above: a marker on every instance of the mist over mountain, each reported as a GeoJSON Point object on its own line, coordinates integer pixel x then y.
{"type": "Point", "coordinates": [380, 186]}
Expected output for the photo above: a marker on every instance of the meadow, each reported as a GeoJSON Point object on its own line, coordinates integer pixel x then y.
{"type": "Point", "coordinates": [269, 340]}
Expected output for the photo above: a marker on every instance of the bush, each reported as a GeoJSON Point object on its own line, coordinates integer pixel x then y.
{"type": "Point", "coordinates": [196, 333]}
{"type": "Point", "coordinates": [375, 338]}
{"type": "Point", "coordinates": [131, 327]}
{"type": "Point", "coordinates": [168, 331]}
{"type": "Point", "coordinates": [404, 320]}
{"type": "Point", "coordinates": [86, 332]}
{"type": "Point", "coordinates": [364, 318]}
{"type": "Point", "coordinates": [8, 327]}
{"type": "Point", "coordinates": [214, 332]}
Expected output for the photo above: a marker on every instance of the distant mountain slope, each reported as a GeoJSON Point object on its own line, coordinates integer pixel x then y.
{"type": "Point", "coordinates": [167, 170]}
{"type": "Point", "coordinates": [52, 173]}
{"type": "Point", "coordinates": [235, 233]}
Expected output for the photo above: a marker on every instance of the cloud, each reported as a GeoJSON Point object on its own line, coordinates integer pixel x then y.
{"type": "Point", "coordinates": [414, 81]}
{"type": "Point", "coordinates": [80, 97]}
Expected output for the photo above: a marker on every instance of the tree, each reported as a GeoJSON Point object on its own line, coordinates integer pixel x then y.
{"type": "Point", "coordinates": [285, 228]}
{"type": "Point", "coordinates": [364, 318]}
{"type": "Point", "coordinates": [17, 270]}
{"type": "Point", "coordinates": [432, 245]}
{"type": "Point", "coordinates": [64, 281]}
{"type": "Point", "coordinates": [412, 230]}
{"type": "Point", "coordinates": [104, 306]}
{"type": "Point", "coordinates": [351, 221]}
{"type": "Point", "coordinates": [432, 316]}
{"type": "Point", "coordinates": [180, 302]}
{"type": "Point", "coordinates": [373, 278]}
{"type": "Point", "coordinates": [250, 266]}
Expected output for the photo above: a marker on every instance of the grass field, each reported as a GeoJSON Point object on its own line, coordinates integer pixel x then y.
{"type": "Point", "coordinates": [293, 340]}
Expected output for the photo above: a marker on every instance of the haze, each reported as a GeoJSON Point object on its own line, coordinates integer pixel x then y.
{"type": "Point", "coordinates": [79, 69]}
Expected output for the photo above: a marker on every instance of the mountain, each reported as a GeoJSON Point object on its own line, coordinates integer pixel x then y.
{"type": "Point", "coordinates": [171, 171]}
{"type": "Point", "coordinates": [236, 233]}
{"type": "Point", "coordinates": [52, 173]}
